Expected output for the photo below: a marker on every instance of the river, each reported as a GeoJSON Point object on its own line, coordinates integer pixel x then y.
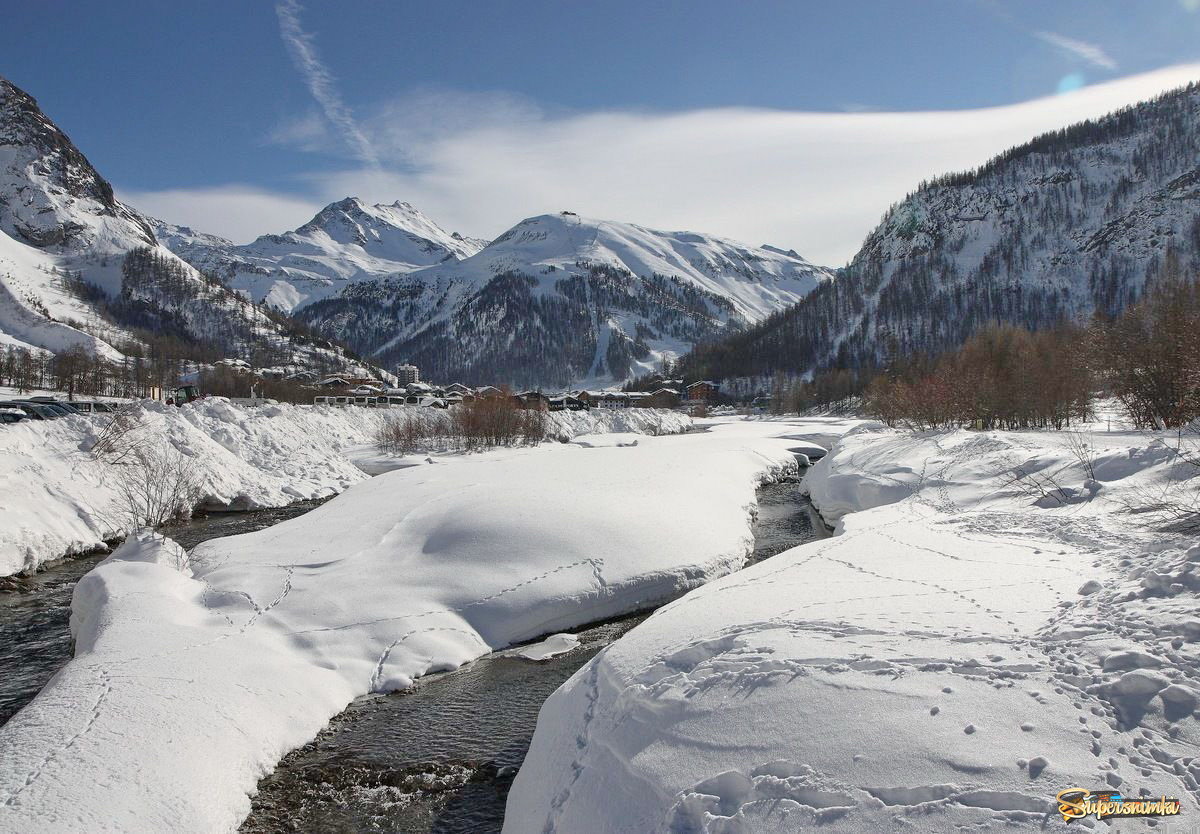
{"type": "Point", "coordinates": [439, 757]}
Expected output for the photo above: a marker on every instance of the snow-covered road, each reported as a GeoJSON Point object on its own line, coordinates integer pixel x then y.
{"type": "Point", "coordinates": [191, 681]}
{"type": "Point", "coordinates": [961, 652]}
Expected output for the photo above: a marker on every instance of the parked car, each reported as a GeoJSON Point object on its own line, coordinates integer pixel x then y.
{"type": "Point", "coordinates": [55, 405]}
{"type": "Point", "coordinates": [84, 407]}
{"type": "Point", "coordinates": [11, 415]}
{"type": "Point", "coordinates": [34, 411]}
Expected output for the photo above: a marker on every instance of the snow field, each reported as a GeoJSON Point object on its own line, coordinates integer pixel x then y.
{"type": "Point", "coordinates": [191, 682]}
{"type": "Point", "coordinates": [956, 655]}
{"type": "Point", "coordinates": [56, 499]}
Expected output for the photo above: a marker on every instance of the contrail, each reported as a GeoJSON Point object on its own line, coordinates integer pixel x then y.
{"type": "Point", "coordinates": [320, 81]}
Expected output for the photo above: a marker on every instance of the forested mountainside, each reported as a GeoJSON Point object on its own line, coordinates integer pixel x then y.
{"type": "Point", "coordinates": [1071, 223]}
{"type": "Point", "coordinates": [78, 268]}
{"type": "Point", "coordinates": [560, 299]}
{"type": "Point", "coordinates": [346, 242]}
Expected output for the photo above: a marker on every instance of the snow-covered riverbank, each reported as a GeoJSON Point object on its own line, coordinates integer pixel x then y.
{"type": "Point", "coordinates": [191, 682]}
{"type": "Point", "coordinates": [56, 499]}
{"type": "Point", "coordinates": [960, 652]}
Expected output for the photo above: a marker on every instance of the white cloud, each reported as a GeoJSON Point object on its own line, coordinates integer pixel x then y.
{"type": "Point", "coordinates": [237, 212]}
{"type": "Point", "coordinates": [817, 182]}
{"type": "Point", "coordinates": [320, 81]}
{"type": "Point", "coordinates": [1089, 52]}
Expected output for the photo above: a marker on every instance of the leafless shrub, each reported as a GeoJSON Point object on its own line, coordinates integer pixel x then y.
{"type": "Point", "coordinates": [1043, 487]}
{"type": "Point", "coordinates": [483, 424]}
{"type": "Point", "coordinates": [491, 421]}
{"type": "Point", "coordinates": [414, 430]}
{"type": "Point", "coordinates": [1082, 449]}
{"type": "Point", "coordinates": [120, 438]}
{"type": "Point", "coordinates": [1172, 504]}
{"type": "Point", "coordinates": [155, 482]}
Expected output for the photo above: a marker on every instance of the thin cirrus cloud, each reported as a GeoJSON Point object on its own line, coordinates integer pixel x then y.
{"type": "Point", "coordinates": [1088, 52]}
{"type": "Point", "coordinates": [816, 182]}
{"type": "Point", "coordinates": [320, 81]}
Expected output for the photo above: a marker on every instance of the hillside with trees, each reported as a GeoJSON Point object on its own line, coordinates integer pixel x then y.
{"type": "Point", "coordinates": [1067, 225]}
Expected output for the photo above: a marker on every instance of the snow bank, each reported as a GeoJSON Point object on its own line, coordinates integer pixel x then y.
{"type": "Point", "coordinates": [57, 499]}
{"type": "Point", "coordinates": [957, 655]}
{"type": "Point", "coordinates": [189, 685]}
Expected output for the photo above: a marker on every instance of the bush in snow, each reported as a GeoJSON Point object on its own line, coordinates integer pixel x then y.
{"type": "Point", "coordinates": [154, 481]}
{"type": "Point", "coordinates": [1150, 355]}
{"type": "Point", "coordinates": [485, 423]}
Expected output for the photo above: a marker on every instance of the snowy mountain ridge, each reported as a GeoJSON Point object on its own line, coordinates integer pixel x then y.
{"type": "Point", "coordinates": [62, 228]}
{"type": "Point", "coordinates": [346, 241]}
{"type": "Point", "coordinates": [560, 299]}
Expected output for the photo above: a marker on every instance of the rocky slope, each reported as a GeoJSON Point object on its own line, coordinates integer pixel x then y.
{"type": "Point", "coordinates": [65, 268]}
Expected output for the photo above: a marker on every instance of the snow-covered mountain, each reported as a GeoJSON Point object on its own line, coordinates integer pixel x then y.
{"type": "Point", "coordinates": [346, 241]}
{"type": "Point", "coordinates": [67, 276]}
{"type": "Point", "coordinates": [1070, 223]}
{"type": "Point", "coordinates": [562, 299]}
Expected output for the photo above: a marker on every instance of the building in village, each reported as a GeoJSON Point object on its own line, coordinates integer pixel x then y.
{"type": "Point", "coordinates": [407, 374]}
{"type": "Point", "coordinates": [703, 391]}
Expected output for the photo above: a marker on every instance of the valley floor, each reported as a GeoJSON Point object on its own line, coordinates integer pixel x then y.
{"type": "Point", "coordinates": [962, 650]}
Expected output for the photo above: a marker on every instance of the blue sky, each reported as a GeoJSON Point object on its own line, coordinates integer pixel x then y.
{"type": "Point", "coordinates": [244, 117]}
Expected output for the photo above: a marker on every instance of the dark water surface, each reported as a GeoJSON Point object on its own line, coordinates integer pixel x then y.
{"type": "Point", "coordinates": [35, 614]}
{"type": "Point", "coordinates": [440, 757]}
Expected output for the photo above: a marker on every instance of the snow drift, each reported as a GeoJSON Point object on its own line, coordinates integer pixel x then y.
{"type": "Point", "coordinates": [954, 657]}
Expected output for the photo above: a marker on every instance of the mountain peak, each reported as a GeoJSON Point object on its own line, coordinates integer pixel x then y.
{"type": "Point", "coordinates": [63, 196]}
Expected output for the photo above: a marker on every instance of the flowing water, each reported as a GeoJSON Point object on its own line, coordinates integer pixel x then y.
{"type": "Point", "coordinates": [35, 611]}
{"type": "Point", "coordinates": [440, 757]}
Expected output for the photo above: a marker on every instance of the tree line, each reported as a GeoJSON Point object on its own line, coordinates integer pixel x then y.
{"type": "Point", "coordinates": [1147, 358]}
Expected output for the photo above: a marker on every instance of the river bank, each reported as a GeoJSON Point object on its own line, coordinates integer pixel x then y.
{"type": "Point", "coordinates": [35, 612]}
{"type": "Point", "coordinates": [989, 625]}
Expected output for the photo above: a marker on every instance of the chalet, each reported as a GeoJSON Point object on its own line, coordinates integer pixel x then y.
{"type": "Point", "coordinates": [535, 400]}
{"type": "Point", "coordinates": [334, 382]}
{"type": "Point", "coordinates": [702, 391]}
{"type": "Point", "coordinates": [488, 391]}
{"type": "Point", "coordinates": [458, 388]}
{"type": "Point", "coordinates": [663, 398]}
{"type": "Point", "coordinates": [604, 399]}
